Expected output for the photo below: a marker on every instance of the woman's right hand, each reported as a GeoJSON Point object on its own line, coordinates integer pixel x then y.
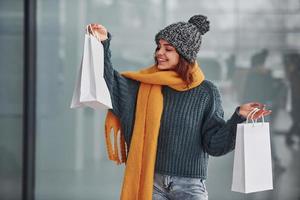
{"type": "Point", "coordinates": [99, 30]}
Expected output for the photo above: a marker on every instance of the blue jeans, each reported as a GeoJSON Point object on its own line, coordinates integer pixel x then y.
{"type": "Point", "coordinates": [178, 188]}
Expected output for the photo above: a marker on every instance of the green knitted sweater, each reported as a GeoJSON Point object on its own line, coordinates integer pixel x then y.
{"type": "Point", "coordinates": [192, 125]}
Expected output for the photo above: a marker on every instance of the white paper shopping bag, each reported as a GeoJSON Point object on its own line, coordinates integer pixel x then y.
{"type": "Point", "coordinates": [91, 89]}
{"type": "Point", "coordinates": [252, 168]}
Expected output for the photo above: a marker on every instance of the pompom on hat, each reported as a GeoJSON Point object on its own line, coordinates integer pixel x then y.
{"type": "Point", "coordinates": [186, 37]}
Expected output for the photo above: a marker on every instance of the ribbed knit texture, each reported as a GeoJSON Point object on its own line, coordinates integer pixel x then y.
{"type": "Point", "coordinates": [192, 124]}
{"type": "Point", "coordinates": [186, 37]}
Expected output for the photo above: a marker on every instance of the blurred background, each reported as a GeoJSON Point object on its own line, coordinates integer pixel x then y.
{"type": "Point", "coordinates": [251, 52]}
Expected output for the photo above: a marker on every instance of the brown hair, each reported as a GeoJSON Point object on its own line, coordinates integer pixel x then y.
{"type": "Point", "coordinates": [184, 70]}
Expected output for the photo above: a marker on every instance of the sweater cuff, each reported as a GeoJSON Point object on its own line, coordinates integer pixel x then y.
{"type": "Point", "coordinates": [106, 43]}
{"type": "Point", "coordinates": [236, 117]}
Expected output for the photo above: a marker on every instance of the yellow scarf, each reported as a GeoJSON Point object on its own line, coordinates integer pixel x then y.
{"type": "Point", "coordinates": [139, 171]}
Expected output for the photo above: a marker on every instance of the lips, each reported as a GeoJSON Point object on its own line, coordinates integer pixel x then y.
{"type": "Point", "coordinates": [161, 60]}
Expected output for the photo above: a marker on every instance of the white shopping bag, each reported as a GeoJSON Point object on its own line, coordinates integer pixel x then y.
{"type": "Point", "coordinates": [252, 168]}
{"type": "Point", "coordinates": [91, 89]}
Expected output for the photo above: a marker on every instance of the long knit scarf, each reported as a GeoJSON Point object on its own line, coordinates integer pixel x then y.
{"type": "Point", "coordinates": [140, 163]}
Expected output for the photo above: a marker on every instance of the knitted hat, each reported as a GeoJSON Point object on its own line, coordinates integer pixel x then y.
{"type": "Point", "coordinates": [185, 36]}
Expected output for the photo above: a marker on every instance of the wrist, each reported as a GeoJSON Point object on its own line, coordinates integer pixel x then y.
{"type": "Point", "coordinates": [240, 113]}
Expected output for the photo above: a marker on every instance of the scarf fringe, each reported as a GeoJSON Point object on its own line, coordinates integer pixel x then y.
{"type": "Point", "coordinates": [113, 152]}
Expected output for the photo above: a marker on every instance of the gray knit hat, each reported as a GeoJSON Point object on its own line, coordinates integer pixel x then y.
{"type": "Point", "coordinates": [185, 36]}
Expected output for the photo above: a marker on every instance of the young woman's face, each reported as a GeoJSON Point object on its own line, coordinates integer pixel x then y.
{"type": "Point", "coordinates": [166, 56]}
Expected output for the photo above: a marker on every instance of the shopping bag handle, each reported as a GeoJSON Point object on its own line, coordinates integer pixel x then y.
{"type": "Point", "coordinates": [261, 116]}
{"type": "Point", "coordinates": [251, 115]}
{"type": "Point", "coordinates": [93, 33]}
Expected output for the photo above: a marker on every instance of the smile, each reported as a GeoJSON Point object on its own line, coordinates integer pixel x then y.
{"type": "Point", "coordinates": [161, 60]}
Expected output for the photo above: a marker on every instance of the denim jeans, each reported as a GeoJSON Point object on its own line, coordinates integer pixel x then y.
{"type": "Point", "coordinates": [178, 188]}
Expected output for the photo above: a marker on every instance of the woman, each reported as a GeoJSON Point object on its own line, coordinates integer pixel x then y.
{"type": "Point", "coordinates": [171, 118]}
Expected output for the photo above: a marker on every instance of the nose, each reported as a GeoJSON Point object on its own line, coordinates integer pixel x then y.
{"type": "Point", "coordinates": [159, 52]}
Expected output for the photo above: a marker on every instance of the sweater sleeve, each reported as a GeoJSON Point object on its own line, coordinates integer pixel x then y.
{"type": "Point", "coordinates": [219, 136]}
{"type": "Point", "coordinates": [122, 90]}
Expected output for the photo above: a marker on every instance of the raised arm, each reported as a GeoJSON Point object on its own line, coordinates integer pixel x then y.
{"type": "Point", "coordinates": [122, 90]}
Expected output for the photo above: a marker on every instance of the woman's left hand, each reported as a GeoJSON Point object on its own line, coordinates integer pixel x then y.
{"type": "Point", "coordinates": [245, 109]}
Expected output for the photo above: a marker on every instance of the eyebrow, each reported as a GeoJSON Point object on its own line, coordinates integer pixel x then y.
{"type": "Point", "coordinates": [167, 45]}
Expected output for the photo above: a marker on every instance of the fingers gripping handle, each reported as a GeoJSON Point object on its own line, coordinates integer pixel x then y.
{"type": "Point", "coordinates": [252, 113]}
{"type": "Point", "coordinates": [89, 27]}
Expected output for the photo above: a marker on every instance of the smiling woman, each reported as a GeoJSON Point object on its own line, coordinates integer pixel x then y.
{"type": "Point", "coordinates": [166, 56]}
{"type": "Point", "coordinates": [170, 129]}
{"type": "Point", "coordinates": [70, 153]}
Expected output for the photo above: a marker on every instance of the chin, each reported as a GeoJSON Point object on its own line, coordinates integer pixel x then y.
{"type": "Point", "coordinates": [164, 67]}
{"type": "Point", "coordinates": [160, 66]}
